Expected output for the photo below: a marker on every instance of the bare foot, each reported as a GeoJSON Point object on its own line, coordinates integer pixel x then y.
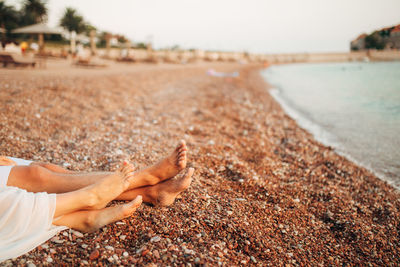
{"type": "Point", "coordinates": [100, 218]}
{"type": "Point", "coordinates": [164, 194]}
{"type": "Point", "coordinates": [163, 170]}
{"type": "Point", "coordinates": [111, 186]}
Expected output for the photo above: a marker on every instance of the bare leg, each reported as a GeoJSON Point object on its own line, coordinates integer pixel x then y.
{"type": "Point", "coordinates": [162, 194]}
{"type": "Point", "coordinates": [53, 167]}
{"type": "Point", "coordinates": [47, 178]}
{"type": "Point", "coordinates": [95, 196]}
{"type": "Point", "coordinates": [92, 220]}
{"type": "Point", "coordinates": [163, 170]}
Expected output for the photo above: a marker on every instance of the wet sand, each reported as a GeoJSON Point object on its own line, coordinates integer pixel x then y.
{"type": "Point", "coordinates": [264, 191]}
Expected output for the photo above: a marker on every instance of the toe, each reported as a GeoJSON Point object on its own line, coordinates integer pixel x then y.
{"type": "Point", "coordinates": [132, 206]}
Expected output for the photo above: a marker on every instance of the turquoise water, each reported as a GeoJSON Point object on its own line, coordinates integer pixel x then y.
{"type": "Point", "coordinates": [353, 107]}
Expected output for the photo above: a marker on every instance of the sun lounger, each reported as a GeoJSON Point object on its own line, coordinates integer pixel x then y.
{"type": "Point", "coordinates": [89, 63]}
{"type": "Point", "coordinates": [16, 60]}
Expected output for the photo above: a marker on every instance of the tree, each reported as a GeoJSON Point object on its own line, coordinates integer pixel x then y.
{"type": "Point", "coordinates": [72, 21]}
{"type": "Point", "coordinates": [8, 20]}
{"type": "Point", "coordinates": [374, 41]}
{"type": "Point", "coordinates": [33, 11]}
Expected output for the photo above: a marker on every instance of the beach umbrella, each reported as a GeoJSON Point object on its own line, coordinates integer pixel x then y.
{"type": "Point", "coordinates": [40, 29]}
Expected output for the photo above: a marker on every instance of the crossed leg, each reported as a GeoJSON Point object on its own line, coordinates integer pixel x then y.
{"type": "Point", "coordinates": [85, 210]}
{"type": "Point", "coordinates": [40, 177]}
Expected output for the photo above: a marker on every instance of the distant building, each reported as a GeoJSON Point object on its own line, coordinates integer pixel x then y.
{"type": "Point", "coordinates": [386, 38]}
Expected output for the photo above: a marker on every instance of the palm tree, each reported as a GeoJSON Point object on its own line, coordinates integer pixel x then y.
{"type": "Point", "coordinates": [34, 11]}
{"type": "Point", "coordinates": [8, 20]}
{"type": "Point", "coordinates": [73, 22]}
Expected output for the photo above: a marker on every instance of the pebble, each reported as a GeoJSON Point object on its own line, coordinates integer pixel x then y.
{"type": "Point", "coordinates": [110, 248]}
{"type": "Point", "coordinates": [156, 254]}
{"type": "Point", "coordinates": [57, 241]}
{"type": "Point", "coordinates": [189, 252]}
{"type": "Point", "coordinates": [125, 254]}
{"type": "Point", "coordinates": [84, 246]}
{"type": "Point", "coordinates": [77, 233]}
{"type": "Point", "coordinates": [253, 259]}
{"type": "Point", "coordinates": [49, 259]}
{"type": "Point", "coordinates": [155, 239]}
{"type": "Point", "coordinates": [31, 265]}
{"type": "Point", "coordinates": [94, 255]}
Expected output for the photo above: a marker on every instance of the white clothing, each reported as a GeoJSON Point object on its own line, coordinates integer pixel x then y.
{"type": "Point", "coordinates": [25, 217]}
{"type": "Point", "coordinates": [5, 170]}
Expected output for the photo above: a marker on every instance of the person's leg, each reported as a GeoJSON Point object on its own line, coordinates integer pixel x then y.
{"type": "Point", "coordinates": [95, 196]}
{"type": "Point", "coordinates": [92, 220]}
{"type": "Point", "coordinates": [42, 178]}
{"type": "Point", "coordinates": [161, 194]}
{"type": "Point", "coordinates": [53, 167]}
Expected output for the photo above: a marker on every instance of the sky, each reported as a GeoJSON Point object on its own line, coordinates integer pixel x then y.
{"type": "Point", "coordinates": [257, 26]}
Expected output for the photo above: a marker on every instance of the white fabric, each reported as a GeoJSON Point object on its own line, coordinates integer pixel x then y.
{"type": "Point", "coordinates": [25, 219]}
{"type": "Point", "coordinates": [5, 170]}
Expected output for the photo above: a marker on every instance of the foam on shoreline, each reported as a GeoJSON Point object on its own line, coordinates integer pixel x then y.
{"type": "Point", "coordinates": [323, 136]}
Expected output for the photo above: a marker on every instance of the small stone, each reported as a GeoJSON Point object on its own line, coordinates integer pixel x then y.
{"type": "Point", "coordinates": [229, 212]}
{"type": "Point", "coordinates": [155, 239]}
{"type": "Point", "coordinates": [122, 237]}
{"type": "Point", "coordinates": [144, 252]}
{"type": "Point", "coordinates": [94, 255]}
{"type": "Point", "coordinates": [31, 264]}
{"type": "Point", "coordinates": [85, 262]}
{"type": "Point", "coordinates": [66, 165]}
{"type": "Point", "coordinates": [110, 248]}
{"type": "Point", "coordinates": [211, 142]}
{"type": "Point", "coordinates": [84, 246]}
{"type": "Point", "coordinates": [196, 260]}
{"type": "Point", "coordinates": [57, 241]}
{"type": "Point", "coordinates": [49, 260]}
{"type": "Point", "coordinates": [189, 252]}
{"type": "Point", "coordinates": [156, 254]}
{"type": "Point", "coordinates": [277, 208]}
{"type": "Point", "coordinates": [253, 259]}
{"type": "Point", "coordinates": [125, 254]}
{"type": "Point", "coordinates": [45, 246]}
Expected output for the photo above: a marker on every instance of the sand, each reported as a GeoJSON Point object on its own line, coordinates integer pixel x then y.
{"type": "Point", "coordinates": [264, 191]}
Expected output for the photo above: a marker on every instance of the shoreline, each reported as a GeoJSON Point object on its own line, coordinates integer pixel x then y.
{"type": "Point", "coordinates": [326, 138]}
{"type": "Point", "coordinates": [264, 191]}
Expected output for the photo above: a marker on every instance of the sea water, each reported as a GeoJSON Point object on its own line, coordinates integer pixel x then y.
{"type": "Point", "coordinates": [353, 107]}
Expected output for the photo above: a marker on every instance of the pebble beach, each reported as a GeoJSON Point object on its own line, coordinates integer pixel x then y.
{"type": "Point", "coordinates": [264, 192]}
